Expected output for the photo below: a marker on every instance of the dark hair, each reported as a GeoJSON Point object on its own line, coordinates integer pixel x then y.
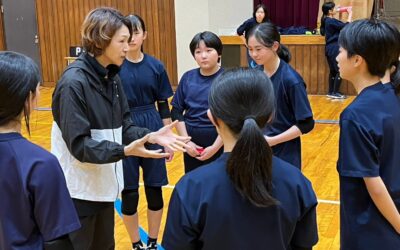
{"type": "Point", "coordinates": [326, 7]}
{"type": "Point", "coordinates": [244, 100]}
{"type": "Point", "coordinates": [377, 42]}
{"type": "Point", "coordinates": [267, 34]}
{"type": "Point", "coordinates": [395, 77]}
{"type": "Point", "coordinates": [210, 39]}
{"type": "Point", "coordinates": [99, 27]}
{"type": "Point", "coordinates": [137, 24]}
{"type": "Point", "coordinates": [19, 76]}
{"type": "Point", "coordinates": [266, 17]}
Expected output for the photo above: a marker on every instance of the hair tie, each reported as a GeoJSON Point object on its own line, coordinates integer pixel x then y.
{"type": "Point", "coordinates": [250, 117]}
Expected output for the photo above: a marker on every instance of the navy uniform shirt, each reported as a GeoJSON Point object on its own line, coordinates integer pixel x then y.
{"type": "Point", "coordinates": [246, 26]}
{"type": "Point", "coordinates": [207, 212]}
{"type": "Point", "coordinates": [332, 31]}
{"type": "Point", "coordinates": [191, 97]}
{"type": "Point", "coordinates": [292, 105]}
{"type": "Point", "coordinates": [145, 82]}
{"type": "Point", "coordinates": [35, 202]}
{"type": "Point", "coordinates": [369, 146]}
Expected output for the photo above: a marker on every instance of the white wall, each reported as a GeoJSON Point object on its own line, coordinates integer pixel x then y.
{"type": "Point", "coordinates": [192, 16]}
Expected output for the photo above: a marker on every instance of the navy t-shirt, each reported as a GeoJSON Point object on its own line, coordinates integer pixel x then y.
{"type": "Point", "coordinates": [35, 202]}
{"type": "Point", "coordinates": [292, 105]}
{"type": "Point", "coordinates": [246, 26]}
{"type": "Point", "coordinates": [191, 97]}
{"type": "Point", "coordinates": [369, 146]}
{"type": "Point", "coordinates": [332, 31]}
{"type": "Point", "coordinates": [145, 82]}
{"type": "Point", "coordinates": [207, 212]}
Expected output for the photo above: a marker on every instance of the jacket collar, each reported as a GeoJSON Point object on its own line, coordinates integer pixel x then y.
{"type": "Point", "coordinates": [107, 73]}
{"type": "Point", "coordinates": [97, 72]}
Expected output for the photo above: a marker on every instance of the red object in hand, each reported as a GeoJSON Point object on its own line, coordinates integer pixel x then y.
{"type": "Point", "coordinates": [344, 9]}
{"type": "Point", "coordinates": [200, 150]}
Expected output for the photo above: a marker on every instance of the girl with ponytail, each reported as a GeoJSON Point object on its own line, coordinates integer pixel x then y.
{"type": "Point", "coordinates": [330, 28]}
{"type": "Point", "coordinates": [247, 191]}
{"type": "Point", "coordinates": [369, 143]}
{"type": "Point", "coordinates": [293, 116]}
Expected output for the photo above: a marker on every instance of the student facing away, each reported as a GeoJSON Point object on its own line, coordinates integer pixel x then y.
{"type": "Point", "coordinates": [247, 198]}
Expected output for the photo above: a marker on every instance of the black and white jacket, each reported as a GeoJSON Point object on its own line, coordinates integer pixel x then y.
{"type": "Point", "coordinates": [91, 124]}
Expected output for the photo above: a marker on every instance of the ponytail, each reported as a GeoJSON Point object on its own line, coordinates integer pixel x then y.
{"type": "Point", "coordinates": [322, 27]}
{"type": "Point", "coordinates": [284, 53]}
{"type": "Point", "coordinates": [244, 100]}
{"type": "Point", "coordinates": [250, 165]}
{"type": "Point", "coordinates": [395, 78]}
{"type": "Point", "coordinates": [326, 7]}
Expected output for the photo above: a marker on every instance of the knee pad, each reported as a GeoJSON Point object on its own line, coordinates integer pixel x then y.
{"type": "Point", "coordinates": [154, 198]}
{"type": "Point", "coordinates": [130, 200]}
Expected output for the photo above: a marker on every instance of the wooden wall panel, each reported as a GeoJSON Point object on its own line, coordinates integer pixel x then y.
{"type": "Point", "coordinates": [310, 62]}
{"type": "Point", "coordinates": [59, 24]}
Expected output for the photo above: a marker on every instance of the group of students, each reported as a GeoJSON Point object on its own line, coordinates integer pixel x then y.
{"type": "Point", "coordinates": [242, 126]}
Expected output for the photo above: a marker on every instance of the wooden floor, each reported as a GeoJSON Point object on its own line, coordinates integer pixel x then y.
{"type": "Point", "coordinates": [320, 152]}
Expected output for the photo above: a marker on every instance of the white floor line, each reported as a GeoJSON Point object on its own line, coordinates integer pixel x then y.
{"type": "Point", "coordinates": [329, 202]}
{"type": "Point", "coordinates": [319, 200]}
{"type": "Point", "coordinates": [166, 186]}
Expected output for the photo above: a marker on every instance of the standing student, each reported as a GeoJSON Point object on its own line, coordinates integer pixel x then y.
{"type": "Point", "coordinates": [330, 28]}
{"type": "Point", "coordinates": [36, 209]}
{"type": "Point", "coordinates": [145, 83]}
{"type": "Point", "coordinates": [93, 131]}
{"type": "Point", "coordinates": [260, 15]}
{"type": "Point", "coordinates": [190, 102]}
{"type": "Point", "coordinates": [369, 145]}
{"type": "Point", "coordinates": [293, 116]}
{"type": "Point", "coordinates": [247, 198]}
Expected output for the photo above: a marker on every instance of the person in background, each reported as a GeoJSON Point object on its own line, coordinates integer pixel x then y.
{"type": "Point", "coordinates": [36, 209]}
{"type": "Point", "coordinates": [247, 198]}
{"type": "Point", "coordinates": [145, 83]}
{"type": "Point", "coordinates": [260, 15]}
{"type": "Point", "coordinates": [330, 28]}
{"type": "Point", "coordinates": [293, 116]}
{"type": "Point", "coordinates": [190, 102]}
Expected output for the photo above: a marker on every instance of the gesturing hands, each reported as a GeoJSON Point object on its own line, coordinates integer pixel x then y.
{"type": "Point", "coordinates": [168, 139]}
{"type": "Point", "coordinates": [163, 137]}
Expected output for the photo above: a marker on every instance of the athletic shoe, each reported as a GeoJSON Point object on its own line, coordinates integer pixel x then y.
{"type": "Point", "coordinates": [340, 95]}
{"type": "Point", "coordinates": [139, 247]}
{"type": "Point", "coordinates": [152, 246]}
{"type": "Point", "coordinates": [331, 95]}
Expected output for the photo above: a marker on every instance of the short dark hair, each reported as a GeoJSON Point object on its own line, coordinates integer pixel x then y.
{"type": "Point", "coordinates": [19, 77]}
{"type": "Point", "coordinates": [98, 28]}
{"type": "Point", "coordinates": [137, 23]}
{"type": "Point", "coordinates": [210, 39]}
{"type": "Point", "coordinates": [374, 40]}
{"type": "Point", "coordinates": [244, 100]}
{"type": "Point", "coordinates": [262, 6]}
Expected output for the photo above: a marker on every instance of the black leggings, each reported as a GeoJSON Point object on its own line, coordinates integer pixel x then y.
{"type": "Point", "coordinates": [334, 77]}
